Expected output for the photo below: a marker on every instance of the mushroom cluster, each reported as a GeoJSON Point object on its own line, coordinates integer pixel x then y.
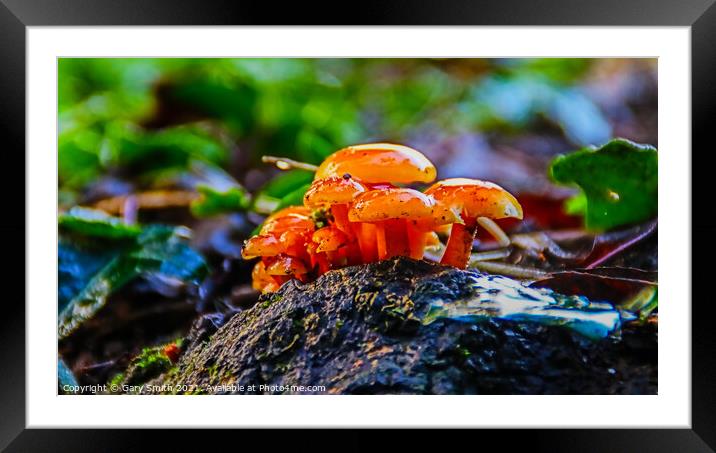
{"type": "Point", "coordinates": [356, 212]}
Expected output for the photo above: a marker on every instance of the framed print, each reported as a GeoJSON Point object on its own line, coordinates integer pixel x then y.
{"type": "Point", "coordinates": [444, 217]}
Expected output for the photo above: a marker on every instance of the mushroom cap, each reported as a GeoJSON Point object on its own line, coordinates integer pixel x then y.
{"type": "Point", "coordinates": [379, 162]}
{"type": "Point", "coordinates": [400, 203]}
{"type": "Point", "coordinates": [261, 245]}
{"type": "Point", "coordinates": [290, 218]}
{"type": "Point", "coordinates": [261, 280]}
{"type": "Point", "coordinates": [329, 239]}
{"type": "Point", "coordinates": [476, 198]}
{"type": "Point", "coordinates": [332, 190]}
{"type": "Point", "coordinates": [284, 265]}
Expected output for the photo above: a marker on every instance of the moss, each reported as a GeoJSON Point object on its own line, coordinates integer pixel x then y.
{"type": "Point", "coordinates": [151, 358]}
{"type": "Point", "coordinates": [150, 363]}
{"type": "Point", "coordinates": [400, 307]}
{"type": "Point", "coordinates": [321, 217]}
{"type": "Point", "coordinates": [213, 372]}
{"type": "Point", "coordinates": [270, 300]}
{"type": "Point", "coordinates": [116, 380]}
{"type": "Point", "coordinates": [292, 343]}
{"type": "Point", "coordinates": [364, 300]}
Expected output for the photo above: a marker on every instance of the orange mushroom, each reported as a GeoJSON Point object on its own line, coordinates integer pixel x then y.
{"type": "Point", "coordinates": [329, 239]}
{"type": "Point", "coordinates": [281, 243]}
{"type": "Point", "coordinates": [261, 245]}
{"type": "Point", "coordinates": [284, 267]}
{"type": "Point", "coordinates": [473, 198]}
{"type": "Point", "coordinates": [379, 163]}
{"type": "Point", "coordinates": [336, 192]}
{"type": "Point", "coordinates": [402, 219]}
{"type": "Point", "coordinates": [290, 218]}
{"type": "Point", "coordinates": [370, 218]}
{"type": "Point", "coordinates": [285, 231]}
{"type": "Point", "coordinates": [261, 280]}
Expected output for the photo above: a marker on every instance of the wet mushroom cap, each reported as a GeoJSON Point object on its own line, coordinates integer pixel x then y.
{"type": "Point", "coordinates": [398, 203]}
{"type": "Point", "coordinates": [476, 198]}
{"type": "Point", "coordinates": [261, 280]}
{"type": "Point", "coordinates": [261, 245]}
{"type": "Point", "coordinates": [284, 265]}
{"type": "Point", "coordinates": [329, 239]}
{"type": "Point", "coordinates": [289, 211]}
{"type": "Point", "coordinates": [332, 190]}
{"type": "Point", "coordinates": [379, 162]}
{"type": "Point", "coordinates": [291, 218]}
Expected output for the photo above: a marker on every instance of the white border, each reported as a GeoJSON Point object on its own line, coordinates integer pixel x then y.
{"type": "Point", "coordinates": [670, 408]}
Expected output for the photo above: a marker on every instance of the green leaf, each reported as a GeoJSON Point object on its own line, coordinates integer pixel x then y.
{"type": "Point", "coordinates": [287, 182]}
{"type": "Point", "coordinates": [576, 205]}
{"type": "Point", "coordinates": [65, 375]}
{"type": "Point", "coordinates": [643, 303]}
{"type": "Point", "coordinates": [159, 251]}
{"type": "Point", "coordinates": [96, 223]}
{"type": "Point", "coordinates": [87, 303]}
{"type": "Point", "coordinates": [619, 180]}
{"type": "Point", "coordinates": [294, 198]}
{"type": "Point", "coordinates": [164, 251]}
{"type": "Point", "coordinates": [219, 192]}
{"type": "Point", "coordinates": [77, 264]}
{"type": "Point", "coordinates": [284, 190]}
{"type": "Point", "coordinates": [212, 202]}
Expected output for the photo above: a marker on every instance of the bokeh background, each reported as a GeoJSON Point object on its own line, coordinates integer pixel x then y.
{"type": "Point", "coordinates": [133, 124]}
{"type": "Point", "coordinates": [140, 138]}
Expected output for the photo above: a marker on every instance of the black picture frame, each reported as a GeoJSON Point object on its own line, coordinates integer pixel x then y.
{"type": "Point", "coordinates": [700, 15]}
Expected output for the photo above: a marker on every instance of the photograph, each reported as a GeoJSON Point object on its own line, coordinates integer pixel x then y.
{"type": "Point", "coordinates": [357, 226]}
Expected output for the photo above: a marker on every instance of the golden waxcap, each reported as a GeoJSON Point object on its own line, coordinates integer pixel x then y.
{"type": "Point", "coordinates": [476, 198]}
{"type": "Point", "coordinates": [290, 218]}
{"type": "Point", "coordinates": [261, 245]}
{"type": "Point", "coordinates": [332, 190]}
{"type": "Point", "coordinates": [399, 203]}
{"type": "Point", "coordinates": [379, 162]}
{"type": "Point", "coordinates": [284, 265]}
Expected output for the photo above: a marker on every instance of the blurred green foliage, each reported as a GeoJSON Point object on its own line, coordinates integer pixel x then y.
{"type": "Point", "coordinates": [139, 118]}
{"type": "Point", "coordinates": [93, 264]}
{"type": "Point", "coordinates": [95, 223]}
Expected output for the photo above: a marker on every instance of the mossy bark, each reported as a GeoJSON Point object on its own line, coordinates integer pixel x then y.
{"type": "Point", "coordinates": [359, 331]}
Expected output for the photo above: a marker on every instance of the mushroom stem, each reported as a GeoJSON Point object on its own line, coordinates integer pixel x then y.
{"type": "Point", "coordinates": [340, 217]}
{"type": "Point", "coordinates": [281, 279]}
{"type": "Point", "coordinates": [337, 259]}
{"type": "Point", "coordinates": [353, 252]}
{"type": "Point", "coordinates": [459, 245]}
{"type": "Point", "coordinates": [366, 234]}
{"type": "Point", "coordinates": [495, 231]}
{"type": "Point", "coordinates": [380, 243]}
{"type": "Point", "coordinates": [396, 238]}
{"type": "Point", "coordinates": [323, 265]}
{"type": "Point", "coordinates": [417, 239]}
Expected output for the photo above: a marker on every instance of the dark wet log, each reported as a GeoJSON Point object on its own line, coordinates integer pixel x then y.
{"type": "Point", "coordinates": [361, 330]}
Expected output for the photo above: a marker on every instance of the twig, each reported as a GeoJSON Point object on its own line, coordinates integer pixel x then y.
{"type": "Point", "coordinates": [508, 269]}
{"type": "Point", "coordinates": [617, 250]}
{"type": "Point", "coordinates": [283, 163]}
{"type": "Point", "coordinates": [129, 210]}
{"type": "Point", "coordinates": [490, 255]}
